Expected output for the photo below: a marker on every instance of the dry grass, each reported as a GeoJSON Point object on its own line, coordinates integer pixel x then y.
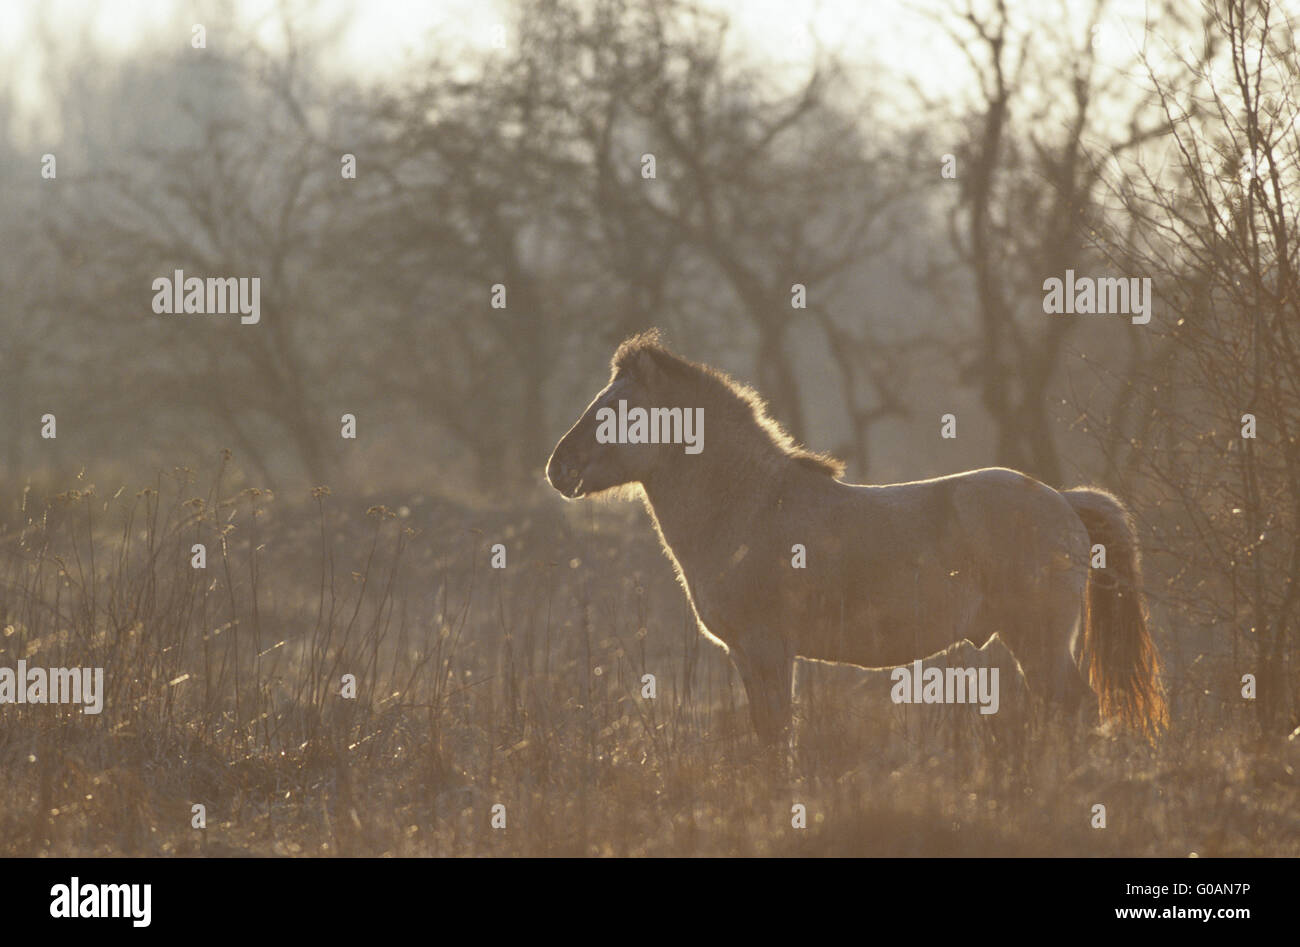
{"type": "Point", "coordinates": [520, 687]}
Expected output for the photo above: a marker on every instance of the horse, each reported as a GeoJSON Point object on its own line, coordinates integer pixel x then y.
{"type": "Point", "coordinates": [779, 558]}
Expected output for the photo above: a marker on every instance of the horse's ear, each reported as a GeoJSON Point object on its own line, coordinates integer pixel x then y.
{"type": "Point", "coordinates": [644, 366]}
{"type": "Point", "coordinates": [639, 356]}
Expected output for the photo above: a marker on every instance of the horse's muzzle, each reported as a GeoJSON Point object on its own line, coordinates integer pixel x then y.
{"type": "Point", "coordinates": [564, 478]}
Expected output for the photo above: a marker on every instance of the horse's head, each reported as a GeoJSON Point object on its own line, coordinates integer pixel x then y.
{"type": "Point", "coordinates": [581, 464]}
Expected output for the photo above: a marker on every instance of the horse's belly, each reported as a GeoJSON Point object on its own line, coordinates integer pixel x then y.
{"type": "Point", "coordinates": [882, 634]}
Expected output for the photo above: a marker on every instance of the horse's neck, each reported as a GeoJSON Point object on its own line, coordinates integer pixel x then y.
{"type": "Point", "coordinates": [702, 500]}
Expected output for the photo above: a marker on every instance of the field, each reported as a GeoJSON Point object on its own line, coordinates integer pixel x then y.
{"type": "Point", "coordinates": [523, 687]}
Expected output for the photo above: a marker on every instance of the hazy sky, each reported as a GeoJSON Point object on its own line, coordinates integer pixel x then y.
{"type": "Point", "coordinates": [380, 35]}
{"type": "Point", "coordinates": [383, 28]}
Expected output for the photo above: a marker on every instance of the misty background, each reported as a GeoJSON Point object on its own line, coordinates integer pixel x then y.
{"type": "Point", "coordinates": [792, 144]}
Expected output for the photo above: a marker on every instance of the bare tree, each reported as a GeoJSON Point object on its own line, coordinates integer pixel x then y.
{"type": "Point", "coordinates": [237, 187]}
{"type": "Point", "coordinates": [532, 177]}
{"type": "Point", "coordinates": [1029, 192]}
{"type": "Point", "coordinates": [1219, 447]}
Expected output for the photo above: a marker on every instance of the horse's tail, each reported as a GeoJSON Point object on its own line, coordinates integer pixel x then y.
{"type": "Point", "coordinates": [1118, 653]}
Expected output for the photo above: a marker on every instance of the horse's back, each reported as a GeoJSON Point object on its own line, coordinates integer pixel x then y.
{"type": "Point", "coordinates": [993, 510]}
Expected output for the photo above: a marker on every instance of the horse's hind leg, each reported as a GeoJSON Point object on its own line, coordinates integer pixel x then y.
{"type": "Point", "coordinates": [1044, 641]}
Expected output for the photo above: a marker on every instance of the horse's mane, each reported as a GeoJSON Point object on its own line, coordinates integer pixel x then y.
{"type": "Point", "coordinates": [650, 343]}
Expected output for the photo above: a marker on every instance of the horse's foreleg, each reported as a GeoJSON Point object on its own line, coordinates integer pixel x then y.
{"type": "Point", "coordinates": [767, 673]}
